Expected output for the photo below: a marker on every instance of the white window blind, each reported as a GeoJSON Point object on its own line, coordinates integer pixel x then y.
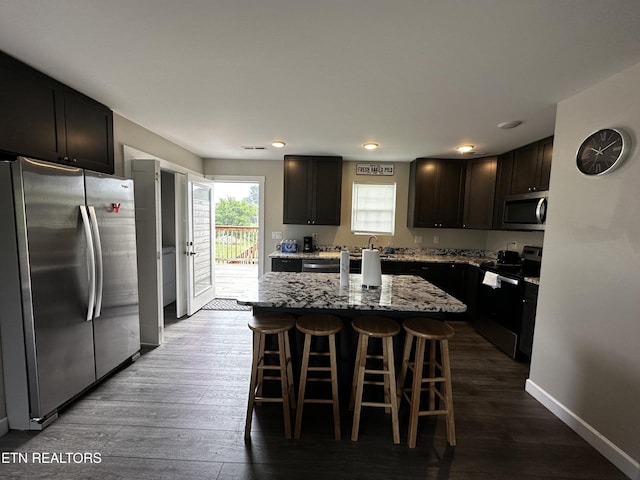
{"type": "Point", "coordinates": [373, 208]}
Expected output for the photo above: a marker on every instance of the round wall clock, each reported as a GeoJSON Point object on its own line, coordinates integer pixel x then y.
{"type": "Point", "coordinates": [602, 151]}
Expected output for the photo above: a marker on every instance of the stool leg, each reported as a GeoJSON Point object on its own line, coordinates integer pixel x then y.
{"type": "Point", "coordinates": [260, 362]}
{"type": "Point", "coordinates": [451, 429]}
{"type": "Point", "coordinates": [284, 385]}
{"type": "Point", "coordinates": [391, 385]}
{"type": "Point", "coordinates": [334, 385]}
{"type": "Point", "coordinates": [363, 341]}
{"type": "Point", "coordinates": [418, 364]}
{"type": "Point", "coordinates": [252, 384]}
{"type": "Point", "coordinates": [406, 353]}
{"type": "Point", "coordinates": [292, 390]}
{"type": "Point", "coordinates": [303, 383]}
{"type": "Point", "coordinates": [432, 374]}
{"type": "Point", "coordinates": [352, 400]}
{"type": "Point", "coordinates": [385, 377]}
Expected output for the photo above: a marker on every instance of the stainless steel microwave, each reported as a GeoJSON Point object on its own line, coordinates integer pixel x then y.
{"type": "Point", "coordinates": [527, 211]}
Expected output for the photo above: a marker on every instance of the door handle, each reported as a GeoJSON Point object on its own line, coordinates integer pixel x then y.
{"type": "Point", "coordinates": [92, 261]}
{"type": "Point", "coordinates": [98, 253]}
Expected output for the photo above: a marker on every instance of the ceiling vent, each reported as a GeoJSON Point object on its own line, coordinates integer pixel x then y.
{"type": "Point", "coordinates": [253, 147]}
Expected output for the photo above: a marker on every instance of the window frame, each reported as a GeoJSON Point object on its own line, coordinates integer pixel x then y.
{"type": "Point", "coordinates": [356, 185]}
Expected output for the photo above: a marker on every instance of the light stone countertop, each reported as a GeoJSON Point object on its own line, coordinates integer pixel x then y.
{"type": "Point", "coordinates": [401, 257]}
{"type": "Point", "coordinates": [398, 293]}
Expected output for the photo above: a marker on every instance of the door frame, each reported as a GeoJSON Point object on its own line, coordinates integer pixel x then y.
{"type": "Point", "coordinates": [260, 180]}
{"type": "Point", "coordinates": [131, 153]}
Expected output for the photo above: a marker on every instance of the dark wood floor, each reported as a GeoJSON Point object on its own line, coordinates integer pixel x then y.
{"type": "Point", "coordinates": [179, 412]}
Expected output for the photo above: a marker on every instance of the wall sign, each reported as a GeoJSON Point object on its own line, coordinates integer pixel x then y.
{"type": "Point", "coordinates": [374, 169]}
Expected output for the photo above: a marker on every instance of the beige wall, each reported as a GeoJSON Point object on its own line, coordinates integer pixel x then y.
{"type": "Point", "coordinates": [586, 351]}
{"type": "Point", "coordinates": [331, 235]}
{"type": "Point", "coordinates": [125, 132]}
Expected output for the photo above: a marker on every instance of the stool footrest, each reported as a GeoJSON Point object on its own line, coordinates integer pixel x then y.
{"type": "Point", "coordinates": [268, 399]}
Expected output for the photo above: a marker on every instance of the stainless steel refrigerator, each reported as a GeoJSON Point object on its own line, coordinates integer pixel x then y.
{"type": "Point", "coordinates": [68, 284]}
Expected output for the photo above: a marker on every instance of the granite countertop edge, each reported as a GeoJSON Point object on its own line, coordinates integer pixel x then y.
{"type": "Point", "coordinates": [399, 257]}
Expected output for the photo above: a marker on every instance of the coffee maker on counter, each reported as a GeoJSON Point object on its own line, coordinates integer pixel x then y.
{"type": "Point", "coordinates": [307, 244]}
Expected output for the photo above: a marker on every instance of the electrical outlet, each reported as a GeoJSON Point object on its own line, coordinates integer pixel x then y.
{"type": "Point", "coordinates": [436, 239]}
{"type": "Point", "coordinates": [417, 239]}
{"type": "Point", "coordinates": [276, 235]}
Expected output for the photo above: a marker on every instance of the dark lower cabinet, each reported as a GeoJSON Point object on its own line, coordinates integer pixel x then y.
{"type": "Point", "coordinates": [286, 265]}
{"type": "Point", "coordinates": [44, 119]}
{"type": "Point", "coordinates": [529, 306]}
{"type": "Point", "coordinates": [449, 277]}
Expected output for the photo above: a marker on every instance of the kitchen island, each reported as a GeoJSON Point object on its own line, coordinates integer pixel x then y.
{"type": "Point", "coordinates": [298, 293]}
{"type": "Point", "coordinates": [301, 292]}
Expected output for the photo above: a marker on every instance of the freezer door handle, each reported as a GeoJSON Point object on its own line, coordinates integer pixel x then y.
{"type": "Point", "coordinates": [92, 261]}
{"type": "Point", "coordinates": [98, 255]}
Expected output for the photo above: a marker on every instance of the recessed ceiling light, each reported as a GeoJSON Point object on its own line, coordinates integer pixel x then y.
{"type": "Point", "coordinates": [278, 144]}
{"type": "Point", "coordinates": [370, 146]}
{"type": "Point", "coordinates": [509, 124]}
{"type": "Point", "coordinates": [465, 148]}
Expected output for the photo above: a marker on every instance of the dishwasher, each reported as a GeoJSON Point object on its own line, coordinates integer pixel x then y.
{"type": "Point", "coordinates": [321, 265]}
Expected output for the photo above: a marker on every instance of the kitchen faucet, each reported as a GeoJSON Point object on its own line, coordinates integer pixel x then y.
{"type": "Point", "coordinates": [370, 243]}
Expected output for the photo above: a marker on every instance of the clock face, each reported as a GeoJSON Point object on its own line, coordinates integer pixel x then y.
{"type": "Point", "coordinates": [602, 151]}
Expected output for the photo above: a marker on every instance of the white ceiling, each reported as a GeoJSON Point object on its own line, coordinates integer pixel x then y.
{"type": "Point", "coordinates": [417, 76]}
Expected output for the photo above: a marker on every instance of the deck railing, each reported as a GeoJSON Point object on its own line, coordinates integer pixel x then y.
{"type": "Point", "coordinates": [236, 244]}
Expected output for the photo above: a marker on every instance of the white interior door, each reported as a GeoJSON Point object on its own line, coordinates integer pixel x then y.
{"type": "Point", "coordinates": [200, 243]}
{"type": "Point", "coordinates": [181, 240]}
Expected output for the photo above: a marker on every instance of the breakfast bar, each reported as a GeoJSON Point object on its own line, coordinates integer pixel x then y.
{"type": "Point", "coordinates": [399, 296]}
{"type": "Point", "coordinates": [281, 297]}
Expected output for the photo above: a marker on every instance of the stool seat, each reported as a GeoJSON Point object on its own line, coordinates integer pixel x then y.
{"type": "Point", "coordinates": [385, 329]}
{"type": "Point", "coordinates": [272, 323]}
{"type": "Point", "coordinates": [319, 325]}
{"type": "Point", "coordinates": [429, 334]}
{"type": "Point", "coordinates": [262, 325]}
{"type": "Point", "coordinates": [375, 326]}
{"type": "Point", "coordinates": [428, 328]}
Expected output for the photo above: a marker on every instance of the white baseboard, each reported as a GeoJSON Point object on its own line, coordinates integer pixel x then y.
{"type": "Point", "coordinates": [615, 455]}
{"type": "Point", "coordinates": [4, 426]}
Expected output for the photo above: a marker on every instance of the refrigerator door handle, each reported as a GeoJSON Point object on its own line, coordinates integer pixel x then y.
{"type": "Point", "coordinates": [92, 261]}
{"type": "Point", "coordinates": [98, 254]}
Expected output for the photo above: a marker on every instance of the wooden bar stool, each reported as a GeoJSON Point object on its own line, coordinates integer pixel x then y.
{"type": "Point", "coordinates": [423, 329]}
{"type": "Point", "coordinates": [385, 329]}
{"type": "Point", "coordinates": [271, 324]}
{"type": "Point", "coordinates": [319, 325]}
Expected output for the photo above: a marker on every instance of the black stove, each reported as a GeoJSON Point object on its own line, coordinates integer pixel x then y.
{"type": "Point", "coordinates": [499, 304]}
{"type": "Point", "coordinates": [528, 266]}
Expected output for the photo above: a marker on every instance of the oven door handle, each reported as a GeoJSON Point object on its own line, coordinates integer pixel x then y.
{"type": "Point", "coordinates": [511, 281]}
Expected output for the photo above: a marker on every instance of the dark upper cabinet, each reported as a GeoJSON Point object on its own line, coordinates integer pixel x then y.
{"type": "Point", "coordinates": [42, 118]}
{"type": "Point", "coordinates": [89, 132]}
{"type": "Point", "coordinates": [312, 190]}
{"type": "Point", "coordinates": [526, 169]}
{"type": "Point", "coordinates": [545, 152]}
{"type": "Point", "coordinates": [435, 193]}
{"type": "Point", "coordinates": [532, 167]}
{"type": "Point", "coordinates": [32, 111]}
{"type": "Point", "coordinates": [479, 192]}
{"type": "Point", "coordinates": [503, 186]}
